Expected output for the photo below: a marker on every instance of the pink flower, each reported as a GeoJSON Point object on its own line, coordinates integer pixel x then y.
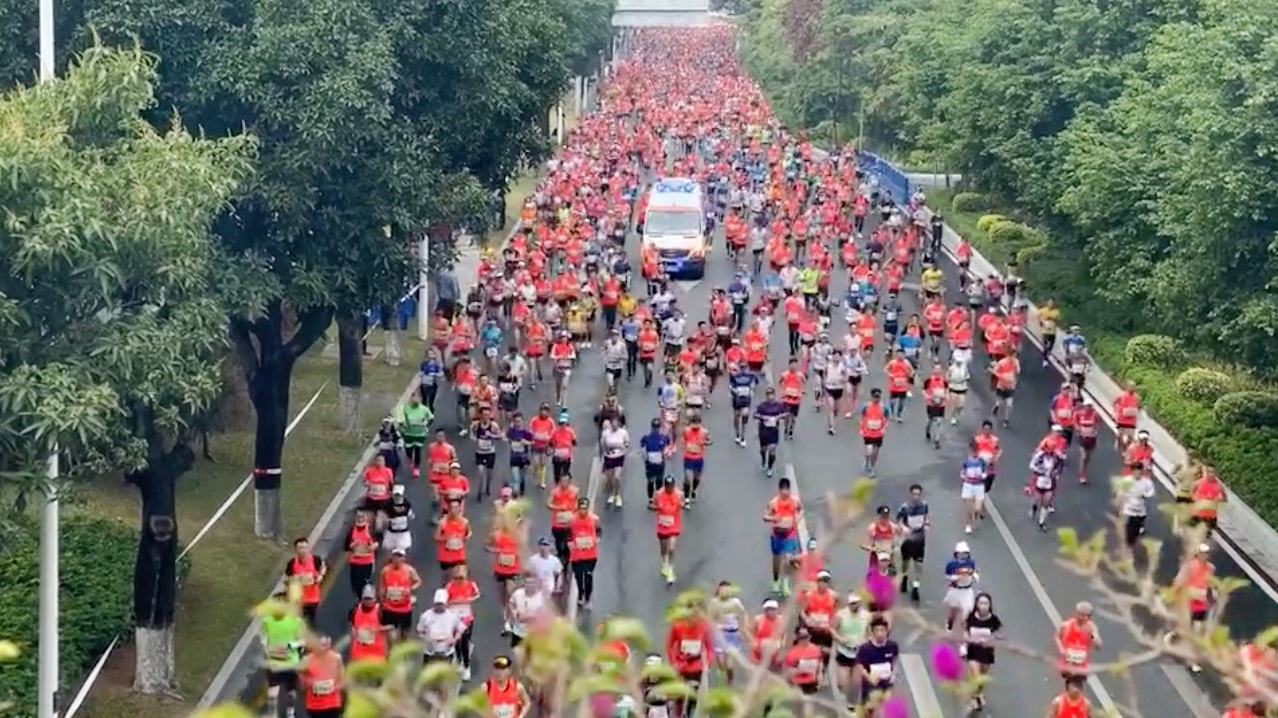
{"type": "Point", "coordinates": [946, 662]}
{"type": "Point", "coordinates": [894, 707]}
{"type": "Point", "coordinates": [602, 705]}
{"type": "Point", "coordinates": [882, 590]}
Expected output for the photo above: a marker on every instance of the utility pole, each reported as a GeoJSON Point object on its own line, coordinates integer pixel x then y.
{"type": "Point", "coordinates": [47, 641]}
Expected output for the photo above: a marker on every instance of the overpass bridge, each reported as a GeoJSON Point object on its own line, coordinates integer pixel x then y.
{"type": "Point", "coordinates": [661, 13]}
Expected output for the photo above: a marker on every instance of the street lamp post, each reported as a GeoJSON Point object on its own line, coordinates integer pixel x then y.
{"type": "Point", "coordinates": [47, 679]}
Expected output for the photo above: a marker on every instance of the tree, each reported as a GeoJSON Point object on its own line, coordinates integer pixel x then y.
{"type": "Point", "coordinates": [111, 320]}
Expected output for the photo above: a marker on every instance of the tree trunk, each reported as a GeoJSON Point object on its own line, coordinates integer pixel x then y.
{"type": "Point", "coordinates": [268, 360]}
{"type": "Point", "coordinates": [155, 571]}
{"type": "Point", "coordinates": [269, 391]}
{"type": "Point", "coordinates": [350, 369]}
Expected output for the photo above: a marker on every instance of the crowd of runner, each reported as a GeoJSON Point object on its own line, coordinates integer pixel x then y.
{"type": "Point", "coordinates": [814, 244]}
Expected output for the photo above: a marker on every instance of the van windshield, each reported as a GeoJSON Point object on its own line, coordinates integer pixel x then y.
{"type": "Point", "coordinates": [673, 221]}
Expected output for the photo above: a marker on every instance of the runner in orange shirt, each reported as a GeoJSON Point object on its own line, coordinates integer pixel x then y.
{"type": "Point", "coordinates": [695, 440]}
{"type": "Point", "coordinates": [793, 386]}
{"type": "Point", "coordinates": [669, 502]}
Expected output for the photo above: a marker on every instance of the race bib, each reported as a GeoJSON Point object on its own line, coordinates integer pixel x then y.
{"type": "Point", "coordinates": [323, 688]}
{"type": "Point", "coordinates": [454, 544]}
{"type": "Point", "coordinates": [563, 517]}
{"type": "Point", "coordinates": [666, 521]}
{"type": "Point", "coordinates": [365, 636]}
{"type": "Point", "coordinates": [395, 594]}
{"type": "Point", "coordinates": [1042, 482]}
{"type": "Point", "coordinates": [873, 424]}
{"type": "Point", "coordinates": [808, 666]}
{"type": "Point", "coordinates": [654, 457]}
{"type": "Point", "coordinates": [563, 453]}
{"type": "Point", "coordinates": [1075, 657]}
{"type": "Point", "coordinates": [691, 649]}
{"type": "Point", "coordinates": [505, 559]}
{"type": "Point", "coordinates": [584, 543]}
{"type": "Point", "coordinates": [880, 672]}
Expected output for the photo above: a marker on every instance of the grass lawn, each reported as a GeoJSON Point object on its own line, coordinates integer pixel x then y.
{"type": "Point", "coordinates": [231, 569]}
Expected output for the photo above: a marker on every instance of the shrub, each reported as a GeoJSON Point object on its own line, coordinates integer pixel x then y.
{"type": "Point", "coordinates": [1202, 384]}
{"type": "Point", "coordinates": [1255, 409]}
{"type": "Point", "coordinates": [987, 221]}
{"type": "Point", "coordinates": [970, 202]}
{"type": "Point", "coordinates": [1153, 350]}
{"type": "Point", "coordinates": [1012, 234]}
{"type": "Point", "coordinates": [96, 600]}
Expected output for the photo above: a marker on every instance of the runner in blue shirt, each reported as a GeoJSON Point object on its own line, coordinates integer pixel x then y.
{"type": "Point", "coordinates": [655, 444]}
{"type": "Point", "coordinates": [432, 372]}
{"type": "Point", "coordinates": [741, 383]}
{"type": "Point", "coordinates": [769, 414]}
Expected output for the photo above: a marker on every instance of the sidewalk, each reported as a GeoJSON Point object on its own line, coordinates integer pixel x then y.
{"type": "Point", "coordinates": [1250, 540]}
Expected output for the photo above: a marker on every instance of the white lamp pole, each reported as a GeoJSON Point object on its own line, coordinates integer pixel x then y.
{"type": "Point", "coordinates": [48, 637]}
{"type": "Point", "coordinates": [423, 290]}
{"type": "Point", "coordinates": [47, 682]}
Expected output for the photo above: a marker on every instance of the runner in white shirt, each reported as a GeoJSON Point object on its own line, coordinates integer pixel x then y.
{"type": "Point", "coordinates": [1135, 490]}
{"type": "Point", "coordinates": [525, 603]}
{"type": "Point", "coordinates": [439, 630]}
{"type": "Point", "coordinates": [857, 369]}
{"type": "Point", "coordinates": [956, 378]}
{"type": "Point", "coordinates": [789, 276]}
{"type": "Point", "coordinates": [819, 359]}
{"type": "Point", "coordinates": [835, 382]}
{"type": "Point", "coordinates": [614, 442]}
{"type": "Point", "coordinates": [614, 356]}
{"type": "Point", "coordinates": [546, 566]}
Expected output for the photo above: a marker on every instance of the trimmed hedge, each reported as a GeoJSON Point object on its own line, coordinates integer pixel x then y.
{"type": "Point", "coordinates": [987, 221]}
{"type": "Point", "coordinates": [1202, 384]}
{"type": "Point", "coordinates": [1154, 350]}
{"type": "Point", "coordinates": [96, 600]}
{"type": "Point", "coordinates": [1255, 409]}
{"type": "Point", "coordinates": [970, 202]}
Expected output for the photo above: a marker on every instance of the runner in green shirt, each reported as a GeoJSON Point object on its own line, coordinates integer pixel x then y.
{"type": "Point", "coordinates": [283, 635]}
{"type": "Point", "coordinates": [413, 426]}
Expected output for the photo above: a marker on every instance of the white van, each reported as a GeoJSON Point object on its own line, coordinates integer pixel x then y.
{"type": "Point", "coordinates": [675, 224]}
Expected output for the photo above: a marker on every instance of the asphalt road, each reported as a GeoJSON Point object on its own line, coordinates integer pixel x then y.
{"type": "Point", "coordinates": [724, 537]}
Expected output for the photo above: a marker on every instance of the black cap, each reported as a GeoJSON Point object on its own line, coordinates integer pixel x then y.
{"type": "Point", "coordinates": [501, 662]}
{"type": "Point", "coordinates": [669, 480]}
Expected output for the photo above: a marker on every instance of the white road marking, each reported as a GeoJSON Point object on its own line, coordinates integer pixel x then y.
{"type": "Point", "coordinates": [926, 702]}
{"type": "Point", "coordinates": [804, 534]}
{"type": "Point", "coordinates": [1188, 691]}
{"type": "Point", "coordinates": [1040, 593]}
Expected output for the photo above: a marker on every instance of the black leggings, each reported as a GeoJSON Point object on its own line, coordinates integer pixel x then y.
{"type": "Point", "coordinates": [464, 646]}
{"type": "Point", "coordinates": [584, 573]}
{"type": "Point", "coordinates": [414, 454]}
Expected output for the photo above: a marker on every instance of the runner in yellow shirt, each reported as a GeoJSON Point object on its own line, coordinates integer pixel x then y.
{"type": "Point", "coordinates": [1049, 318]}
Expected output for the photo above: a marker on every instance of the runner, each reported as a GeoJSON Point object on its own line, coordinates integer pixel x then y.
{"type": "Point", "coordinates": [728, 614]}
{"type": "Point", "coordinates": [283, 637]}
{"type": "Point", "coordinates": [1076, 638]}
{"type": "Point", "coordinates": [916, 522]}
{"type": "Point", "coordinates": [396, 592]}
{"type": "Point", "coordinates": [981, 629]}
{"type": "Point", "coordinates": [669, 503]}
{"type": "Point", "coordinates": [769, 415]}
{"type": "Point", "coordinates": [323, 680]}
{"type": "Point", "coordinates": [586, 533]}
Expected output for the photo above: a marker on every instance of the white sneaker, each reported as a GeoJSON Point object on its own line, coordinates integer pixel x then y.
{"type": "Point", "coordinates": [465, 673]}
{"type": "Point", "coordinates": [611, 500]}
{"type": "Point", "coordinates": [616, 501]}
{"type": "Point", "coordinates": [967, 529]}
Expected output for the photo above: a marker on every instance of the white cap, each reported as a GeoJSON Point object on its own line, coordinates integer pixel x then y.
{"type": "Point", "coordinates": [441, 596]}
{"type": "Point", "coordinates": [1204, 548]}
{"type": "Point", "coordinates": [398, 552]}
{"type": "Point", "coordinates": [823, 575]}
{"type": "Point", "coordinates": [962, 547]}
{"type": "Point", "coordinates": [771, 603]}
{"type": "Point", "coordinates": [398, 490]}
{"type": "Point", "coordinates": [1057, 428]}
{"type": "Point", "coordinates": [854, 597]}
{"type": "Point", "coordinates": [884, 556]}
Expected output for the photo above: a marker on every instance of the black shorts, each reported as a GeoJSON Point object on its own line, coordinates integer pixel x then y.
{"type": "Point", "coordinates": [1087, 442]}
{"type": "Point", "coordinates": [897, 394]}
{"type": "Point", "coordinates": [834, 394]}
{"type": "Point", "coordinates": [1005, 393]}
{"type": "Point", "coordinates": [508, 402]}
{"type": "Point", "coordinates": [446, 567]}
{"type": "Point", "coordinates": [808, 689]}
{"type": "Point", "coordinates": [854, 379]}
{"type": "Point", "coordinates": [913, 550]}
{"type": "Point", "coordinates": [844, 661]}
{"type": "Point", "coordinates": [282, 679]}
{"type": "Point", "coordinates": [872, 440]}
{"type": "Point", "coordinates": [375, 505]}
{"type": "Point", "coordinates": [487, 461]}
{"type": "Point", "coordinates": [402, 622]}
{"type": "Point", "coordinates": [754, 366]}
{"type": "Point", "coordinates": [613, 462]}
{"type": "Point", "coordinates": [935, 411]}
{"type": "Point", "coordinates": [793, 409]}
{"type": "Point", "coordinates": [983, 655]}
{"type": "Point", "coordinates": [822, 638]}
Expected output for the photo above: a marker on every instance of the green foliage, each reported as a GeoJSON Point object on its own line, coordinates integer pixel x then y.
{"type": "Point", "coordinates": [96, 600]}
{"type": "Point", "coordinates": [970, 202]}
{"type": "Point", "coordinates": [1255, 409]}
{"type": "Point", "coordinates": [987, 221]}
{"type": "Point", "coordinates": [1011, 234]}
{"type": "Point", "coordinates": [1153, 350]}
{"type": "Point", "coordinates": [115, 347]}
{"type": "Point", "coordinates": [1203, 385]}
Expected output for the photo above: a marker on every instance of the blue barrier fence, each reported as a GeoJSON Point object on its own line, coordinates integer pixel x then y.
{"type": "Point", "coordinates": [890, 178]}
{"type": "Point", "coordinates": [405, 310]}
